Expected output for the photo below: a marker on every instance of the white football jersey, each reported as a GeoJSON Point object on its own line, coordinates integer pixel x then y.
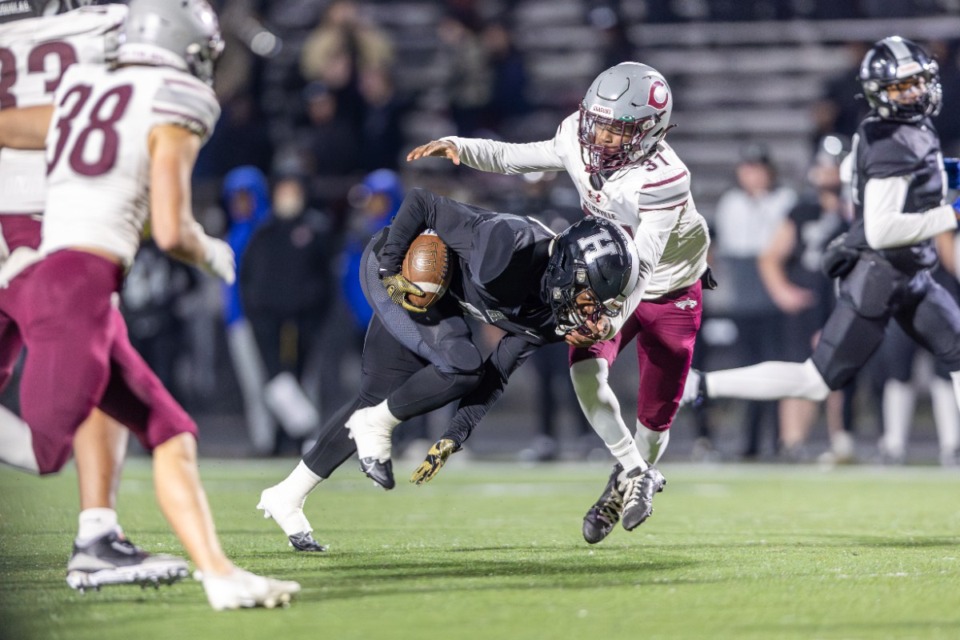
{"type": "Point", "coordinates": [651, 201]}
{"type": "Point", "coordinates": [98, 182]}
{"type": "Point", "coordinates": [34, 54]}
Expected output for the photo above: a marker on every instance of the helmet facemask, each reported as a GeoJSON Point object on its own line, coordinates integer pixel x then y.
{"type": "Point", "coordinates": [200, 59]}
{"type": "Point", "coordinates": [574, 306]}
{"type": "Point", "coordinates": [599, 157]}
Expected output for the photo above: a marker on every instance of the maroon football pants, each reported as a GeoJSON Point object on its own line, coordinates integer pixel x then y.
{"type": "Point", "coordinates": [665, 330]}
{"type": "Point", "coordinates": [79, 357]}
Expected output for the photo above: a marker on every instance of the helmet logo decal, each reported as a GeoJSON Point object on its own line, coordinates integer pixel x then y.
{"type": "Point", "coordinates": [659, 96]}
{"type": "Point", "coordinates": [597, 245]}
{"type": "Point", "coordinates": [908, 69]}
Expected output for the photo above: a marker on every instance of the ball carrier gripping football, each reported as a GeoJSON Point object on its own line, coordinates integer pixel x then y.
{"type": "Point", "coordinates": [426, 274]}
{"type": "Point", "coordinates": [509, 271]}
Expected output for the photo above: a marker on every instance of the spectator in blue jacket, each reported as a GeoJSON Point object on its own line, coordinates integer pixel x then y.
{"type": "Point", "coordinates": [246, 198]}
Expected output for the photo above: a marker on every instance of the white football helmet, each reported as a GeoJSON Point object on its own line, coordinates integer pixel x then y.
{"type": "Point", "coordinates": [632, 101]}
{"type": "Point", "coordinates": [183, 34]}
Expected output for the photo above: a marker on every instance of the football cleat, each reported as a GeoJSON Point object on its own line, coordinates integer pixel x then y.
{"type": "Point", "coordinates": [289, 515]}
{"type": "Point", "coordinates": [111, 559]}
{"type": "Point", "coordinates": [603, 516]}
{"type": "Point", "coordinates": [242, 589]}
{"type": "Point", "coordinates": [638, 496]}
{"type": "Point", "coordinates": [305, 542]}
{"type": "Point", "coordinates": [694, 389]}
{"type": "Point", "coordinates": [373, 447]}
{"type": "Point", "coordinates": [380, 472]}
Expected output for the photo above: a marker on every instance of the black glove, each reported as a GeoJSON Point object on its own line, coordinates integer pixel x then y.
{"type": "Point", "coordinates": [838, 259]}
{"type": "Point", "coordinates": [398, 287]}
{"type": "Point", "coordinates": [436, 457]}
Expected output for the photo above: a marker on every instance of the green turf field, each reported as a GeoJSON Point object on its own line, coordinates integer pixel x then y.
{"type": "Point", "coordinates": [493, 551]}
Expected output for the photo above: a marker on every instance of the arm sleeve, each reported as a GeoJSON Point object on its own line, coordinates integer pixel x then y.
{"type": "Point", "coordinates": [453, 221]}
{"type": "Point", "coordinates": [887, 225]}
{"type": "Point", "coordinates": [509, 354]}
{"type": "Point", "coordinates": [509, 158]}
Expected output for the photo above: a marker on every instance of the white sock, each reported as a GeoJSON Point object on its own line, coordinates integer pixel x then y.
{"type": "Point", "coordinates": [946, 415]}
{"type": "Point", "coordinates": [627, 454]}
{"type": "Point", "coordinates": [898, 403]}
{"type": "Point", "coordinates": [768, 381]}
{"type": "Point", "coordinates": [651, 444]}
{"type": "Point", "coordinates": [16, 442]}
{"type": "Point", "coordinates": [301, 481]}
{"type": "Point", "coordinates": [96, 522]}
{"type": "Point", "coordinates": [841, 443]}
{"type": "Point", "coordinates": [381, 413]}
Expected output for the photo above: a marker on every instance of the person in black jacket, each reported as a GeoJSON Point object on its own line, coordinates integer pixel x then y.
{"type": "Point", "coordinates": [884, 262]}
{"type": "Point", "coordinates": [512, 272]}
{"type": "Point", "coordinates": [287, 284]}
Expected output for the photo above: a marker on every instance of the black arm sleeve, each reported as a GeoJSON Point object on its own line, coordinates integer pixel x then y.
{"type": "Point", "coordinates": [509, 354]}
{"type": "Point", "coordinates": [453, 221]}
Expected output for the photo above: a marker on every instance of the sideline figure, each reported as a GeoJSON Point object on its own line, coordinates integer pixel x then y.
{"type": "Point", "coordinates": [121, 143]}
{"type": "Point", "coordinates": [614, 150]}
{"type": "Point", "coordinates": [883, 263]}
{"type": "Point", "coordinates": [509, 271]}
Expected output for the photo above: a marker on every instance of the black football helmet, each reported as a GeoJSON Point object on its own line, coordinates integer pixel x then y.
{"type": "Point", "coordinates": [897, 61]}
{"type": "Point", "coordinates": [595, 255]}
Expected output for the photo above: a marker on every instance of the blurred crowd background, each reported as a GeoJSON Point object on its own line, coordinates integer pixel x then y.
{"type": "Point", "coordinates": [322, 100]}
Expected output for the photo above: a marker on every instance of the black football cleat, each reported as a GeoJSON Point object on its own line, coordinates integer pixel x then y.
{"type": "Point", "coordinates": [638, 497]}
{"type": "Point", "coordinates": [380, 472]}
{"type": "Point", "coordinates": [305, 542]}
{"type": "Point", "coordinates": [111, 559]}
{"type": "Point", "coordinates": [604, 515]}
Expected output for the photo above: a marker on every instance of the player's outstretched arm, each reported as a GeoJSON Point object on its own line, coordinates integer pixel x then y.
{"type": "Point", "coordinates": [25, 128]}
{"type": "Point", "coordinates": [436, 149]}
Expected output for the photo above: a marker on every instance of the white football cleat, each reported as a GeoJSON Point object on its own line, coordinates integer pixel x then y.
{"type": "Point", "coordinates": [242, 589]}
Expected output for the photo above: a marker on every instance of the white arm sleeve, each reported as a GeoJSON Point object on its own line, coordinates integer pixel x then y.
{"type": "Point", "coordinates": [886, 225]}
{"type": "Point", "coordinates": [508, 158]}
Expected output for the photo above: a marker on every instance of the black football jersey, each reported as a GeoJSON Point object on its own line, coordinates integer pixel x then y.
{"type": "Point", "coordinates": [501, 260]}
{"type": "Point", "coordinates": [885, 149]}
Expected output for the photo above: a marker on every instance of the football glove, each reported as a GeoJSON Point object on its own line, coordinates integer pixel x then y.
{"type": "Point", "coordinates": [398, 287]}
{"type": "Point", "coordinates": [218, 258]}
{"type": "Point", "coordinates": [436, 457]}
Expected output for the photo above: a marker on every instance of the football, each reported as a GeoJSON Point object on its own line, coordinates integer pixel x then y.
{"type": "Point", "coordinates": [428, 265]}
